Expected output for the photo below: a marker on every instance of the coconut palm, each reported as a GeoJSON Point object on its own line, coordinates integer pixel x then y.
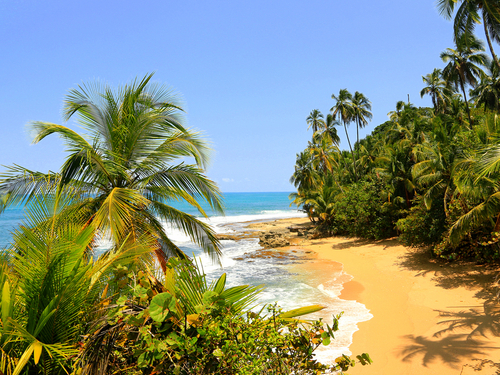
{"type": "Point", "coordinates": [50, 287]}
{"type": "Point", "coordinates": [487, 92]}
{"type": "Point", "coordinates": [304, 177]}
{"type": "Point", "coordinates": [323, 153]}
{"type": "Point", "coordinates": [437, 89]}
{"type": "Point", "coordinates": [470, 13]}
{"type": "Point", "coordinates": [331, 128]}
{"type": "Point", "coordinates": [464, 63]}
{"type": "Point", "coordinates": [434, 167]}
{"type": "Point", "coordinates": [395, 165]}
{"type": "Point", "coordinates": [124, 171]}
{"type": "Point", "coordinates": [361, 108]}
{"type": "Point", "coordinates": [476, 175]}
{"type": "Point", "coordinates": [318, 202]}
{"type": "Point", "coordinates": [395, 115]}
{"type": "Point", "coordinates": [343, 112]}
{"type": "Point", "coordinates": [456, 110]}
{"type": "Point", "coordinates": [315, 120]}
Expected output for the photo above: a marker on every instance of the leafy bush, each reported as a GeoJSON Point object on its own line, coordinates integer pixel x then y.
{"type": "Point", "coordinates": [481, 244]}
{"type": "Point", "coordinates": [422, 226]}
{"type": "Point", "coordinates": [185, 326]}
{"type": "Point", "coordinates": [360, 211]}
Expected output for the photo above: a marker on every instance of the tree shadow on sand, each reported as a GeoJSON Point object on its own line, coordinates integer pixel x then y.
{"type": "Point", "coordinates": [451, 350]}
{"type": "Point", "coordinates": [452, 275]}
{"type": "Point", "coordinates": [463, 333]}
{"type": "Point", "coordinates": [480, 321]}
{"type": "Point", "coordinates": [484, 364]}
{"type": "Point", "coordinates": [358, 242]}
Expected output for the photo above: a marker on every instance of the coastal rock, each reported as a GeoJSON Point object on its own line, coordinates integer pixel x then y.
{"type": "Point", "coordinates": [273, 239]}
{"type": "Point", "coordinates": [232, 237]}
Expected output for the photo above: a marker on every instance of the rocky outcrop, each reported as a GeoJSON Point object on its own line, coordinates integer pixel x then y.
{"type": "Point", "coordinates": [273, 239]}
{"type": "Point", "coordinates": [232, 237]}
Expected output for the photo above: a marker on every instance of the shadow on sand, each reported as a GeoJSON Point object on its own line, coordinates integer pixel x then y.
{"type": "Point", "coordinates": [358, 242]}
{"type": "Point", "coordinates": [460, 334]}
{"type": "Point", "coordinates": [452, 349]}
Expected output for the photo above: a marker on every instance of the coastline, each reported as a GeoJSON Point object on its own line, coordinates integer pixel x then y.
{"type": "Point", "coordinates": [429, 317]}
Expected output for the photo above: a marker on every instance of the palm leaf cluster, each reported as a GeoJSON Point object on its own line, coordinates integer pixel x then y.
{"type": "Point", "coordinates": [51, 286]}
{"type": "Point", "coordinates": [127, 167]}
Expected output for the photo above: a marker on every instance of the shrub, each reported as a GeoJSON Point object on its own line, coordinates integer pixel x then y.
{"type": "Point", "coordinates": [422, 226]}
{"type": "Point", "coordinates": [360, 211]}
{"type": "Point", "coordinates": [156, 329]}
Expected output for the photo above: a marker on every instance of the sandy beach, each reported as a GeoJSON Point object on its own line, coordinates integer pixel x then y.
{"type": "Point", "coordinates": [429, 317]}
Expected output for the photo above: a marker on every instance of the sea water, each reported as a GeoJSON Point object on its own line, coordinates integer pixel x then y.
{"type": "Point", "coordinates": [284, 281]}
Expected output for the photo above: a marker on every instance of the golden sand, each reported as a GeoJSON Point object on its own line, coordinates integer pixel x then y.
{"type": "Point", "coordinates": [429, 317]}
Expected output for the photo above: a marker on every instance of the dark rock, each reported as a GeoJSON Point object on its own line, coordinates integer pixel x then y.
{"type": "Point", "coordinates": [273, 239]}
{"type": "Point", "coordinates": [232, 237]}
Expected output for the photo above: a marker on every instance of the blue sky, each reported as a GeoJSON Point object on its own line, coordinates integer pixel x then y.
{"type": "Point", "coordinates": [249, 71]}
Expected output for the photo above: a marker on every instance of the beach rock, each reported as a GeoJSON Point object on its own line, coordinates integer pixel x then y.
{"type": "Point", "coordinates": [273, 239]}
{"type": "Point", "coordinates": [221, 237]}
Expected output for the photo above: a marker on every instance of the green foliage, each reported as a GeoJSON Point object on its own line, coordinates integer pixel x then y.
{"type": "Point", "coordinates": [63, 309]}
{"type": "Point", "coordinates": [361, 210]}
{"type": "Point", "coordinates": [127, 167]}
{"type": "Point", "coordinates": [422, 226]}
{"type": "Point", "coordinates": [50, 288]}
{"type": "Point", "coordinates": [151, 330]}
{"type": "Point", "coordinates": [432, 174]}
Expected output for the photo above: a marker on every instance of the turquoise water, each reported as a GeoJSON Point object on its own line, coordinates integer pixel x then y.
{"type": "Point", "coordinates": [246, 204]}
{"type": "Point", "coordinates": [9, 220]}
{"type": "Point", "coordinates": [236, 204]}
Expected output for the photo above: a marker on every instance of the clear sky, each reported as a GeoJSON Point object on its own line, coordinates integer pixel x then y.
{"type": "Point", "coordinates": [249, 71]}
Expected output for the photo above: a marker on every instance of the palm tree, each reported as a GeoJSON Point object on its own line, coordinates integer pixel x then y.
{"type": "Point", "coordinates": [469, 14]}
{"type": "Point", "coordinates": [464, 63]}
{"type": "Point", "coordinates": [318, 202]}
{"type": "Point", "coordinates": [323, 153]}
{"type": "Point", "coordinates": [437, 89]}
{"type": "Point", "coordinates": [435, 160]}
{"type": "Point", "coordinates": [304, 177]}
{"type": "Point", "coordinates": [395, 165]}
{"type": "Point", "coordinates": [122, 172]}
{"type": "Point", "coordinates": [476, 174]}
{"type": "Point", "coordinates": [361, 108]}
{"type": "Point", "coordinates": [343, 111]}
{"type": "Point", "coordinates": [331, 128]}
{"type": "Point", "coordinates": [315, 120]}
{"type": "Point", "coordinates": [51, 287]}
{"type": "Point", "coordinates": [487, 91]}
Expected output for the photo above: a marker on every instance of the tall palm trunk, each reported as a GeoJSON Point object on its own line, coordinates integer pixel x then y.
{"type": "Point", "coordinates": [465, 99]}
{"type": "Point", "coordinates": [490, 44]}
{"type": "Point", "coordinates": [357, 139]}
{"type": "Point", "coordinates": [352, 152]}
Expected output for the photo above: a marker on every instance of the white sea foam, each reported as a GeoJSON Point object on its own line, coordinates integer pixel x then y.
{"type": "Point", "coordinates": [288, 290]}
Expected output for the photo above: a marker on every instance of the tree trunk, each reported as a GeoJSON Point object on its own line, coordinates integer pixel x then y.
{"type": "Point", "coordinates": [352, 153]}
{"type": "Point", "coordinates": [490, 45]}
{"type": "Point", "coordinates": [408, 204]}
{"type": "Point", "coordinates": [465, 98]}
{"type": "Point", "coordinates": [357, 141]}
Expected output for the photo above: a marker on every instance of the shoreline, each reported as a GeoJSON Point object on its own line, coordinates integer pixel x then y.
{"type": "Point", "coordinates": [429, 317]}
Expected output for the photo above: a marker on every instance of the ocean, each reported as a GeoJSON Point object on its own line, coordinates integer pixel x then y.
{"type": "Point", "coordinates": [284, 280]}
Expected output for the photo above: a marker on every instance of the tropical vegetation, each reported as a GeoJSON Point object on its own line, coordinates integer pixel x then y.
{"type": "Point", "coordinates": [140, 306]}
{"type": "Point", "coordinates": [427, 175]}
